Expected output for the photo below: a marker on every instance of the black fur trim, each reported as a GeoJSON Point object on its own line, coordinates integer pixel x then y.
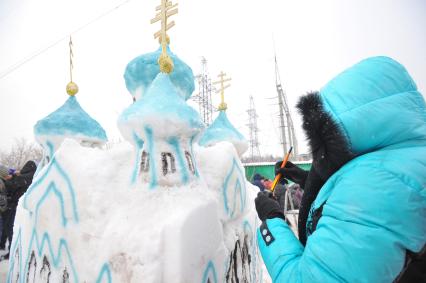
{"type": "Point", "coordinates": [329, 146]}
{"type": "Point", "coordinates": [330, 151]}
{"type": "Point", "coordinates": [312, 187]}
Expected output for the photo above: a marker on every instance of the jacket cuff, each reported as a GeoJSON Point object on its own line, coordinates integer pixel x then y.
{"type": "Point", "coordinates": [282, 248]}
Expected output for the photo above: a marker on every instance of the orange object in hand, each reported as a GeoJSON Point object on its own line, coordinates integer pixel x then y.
{"type": "Point", "coordinates": [278, 177]}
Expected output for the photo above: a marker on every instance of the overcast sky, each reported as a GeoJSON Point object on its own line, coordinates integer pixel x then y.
{"type": "Point", "coordinates": [314, 41]}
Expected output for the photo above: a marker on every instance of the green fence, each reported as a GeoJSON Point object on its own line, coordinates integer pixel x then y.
{"type": "Point", "coordinates": [266, 169]}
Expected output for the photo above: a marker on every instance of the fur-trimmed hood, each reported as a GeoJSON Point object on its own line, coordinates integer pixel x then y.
{"type": "Point", "coordinates": [374, 103]}
{"type": "Point", "coordinates": [329, 146]}
{"type": "Point", "coordinates": [370, 106]}
{"type": "Point", "coordinates": [361, 110]}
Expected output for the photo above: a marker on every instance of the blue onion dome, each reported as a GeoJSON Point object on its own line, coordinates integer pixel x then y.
{"type": "Point", "coordinates": [69, 121]}
{"type": "Point", "coordinates": [222, 130]}
{"type": "Point", "coordinates": [161, 110]}
{"type": "Point", "coordinates": [141, 71]}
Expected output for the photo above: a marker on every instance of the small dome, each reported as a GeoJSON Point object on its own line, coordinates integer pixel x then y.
{"type": "Point", "coordinates": [70, 120]}
{"type": "Point", "coordinates": [141, 72]}
{"type": "Point", "coordinates": [162, 110]}
{"type": "Point", "coordinates": [222, 130]}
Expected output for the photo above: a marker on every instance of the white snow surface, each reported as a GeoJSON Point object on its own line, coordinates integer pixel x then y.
{"type": "Point", "coordinates": [56, 140]}
{"type": "Point", "coordinates": [163, 111]}
{"type": "Point", "coordinates": [93, 224]}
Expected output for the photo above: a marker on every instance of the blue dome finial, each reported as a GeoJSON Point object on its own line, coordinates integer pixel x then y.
{"type": "Point", "coordinates": [142, 70]}
{"type": "Point", "coordinates": [222, 130]}
{"type": "Point", "coordinates": [71, 121]}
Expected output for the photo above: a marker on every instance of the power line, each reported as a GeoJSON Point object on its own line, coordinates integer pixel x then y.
{"type": "Point", "coordinates": [22, 62]}
{"type": "Point", "coordinates": [253, 130]}
{"type": "Point", "coordinates": [204, 95]}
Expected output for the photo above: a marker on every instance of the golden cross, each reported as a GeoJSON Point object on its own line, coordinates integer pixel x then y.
{"type": "Point", "coordinates": [222, 81]}
{"type": "Point", "coordinates": [165, 10]}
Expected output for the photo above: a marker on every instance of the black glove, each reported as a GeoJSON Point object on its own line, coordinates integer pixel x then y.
{"type": "Point", "coordinates": [267, 207]}
{"type": "Point", "coordinates": [292, 172]}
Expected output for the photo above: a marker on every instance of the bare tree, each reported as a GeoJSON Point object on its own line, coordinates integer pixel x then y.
{"type": "Point", "coordinates": [21, 152]}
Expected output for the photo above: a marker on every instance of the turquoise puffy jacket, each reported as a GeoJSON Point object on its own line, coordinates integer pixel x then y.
{"type": "Point", "coordinates": [375, 204]}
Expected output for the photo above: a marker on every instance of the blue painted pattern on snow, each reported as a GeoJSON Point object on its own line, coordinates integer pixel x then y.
{"type": "Point", "coordinates": [16, 244]}
{"type": "Point", "coordinates": [136, 166]}
{"type": "Point", "coordinates": [105, 271]}
{"type": "Point", "coordinates": [152, 166]}
{"type": "Point", "coordinates": [51, 188]}
{"type": "Point", "coordinates": [139, 144]}
{"type": "Point", "coordinates": [239, 188]}
{"type": "Point", "coordinates": [210, 270]}
{"type": "Point", "coordinates": [56, 257]}
{"type": "Point", "coordinates": [174, 142]}
{"type": "Point", "coordinates": [58, 192]}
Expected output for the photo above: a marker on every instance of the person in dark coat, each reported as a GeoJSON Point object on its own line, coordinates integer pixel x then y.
{"type": "Point", "coordinates": [16, 185]}
{"type": "Point", "coordinates": [257, 181]}
{"type": "Point", "coordinates": [3, 203]}
{"type": "Point", "coordinates": [4, 175]}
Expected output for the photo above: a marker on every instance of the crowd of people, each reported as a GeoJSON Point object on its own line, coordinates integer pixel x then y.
{"type": "Point", "coordinates": [294, 190]}
{"type": "Point", "coordinates": [13, 184]}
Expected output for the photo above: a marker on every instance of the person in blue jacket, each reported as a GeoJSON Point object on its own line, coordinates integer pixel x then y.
{"type": "Point", "coordinates": [363, 213]}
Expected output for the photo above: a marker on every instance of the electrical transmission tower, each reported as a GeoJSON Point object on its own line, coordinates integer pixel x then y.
{"type": "Point", "coordinates": [204, 96]}
{"type": "Point", "coordinates": [254, 141]}
{"type": "Point", "coordinates": [288, 135]}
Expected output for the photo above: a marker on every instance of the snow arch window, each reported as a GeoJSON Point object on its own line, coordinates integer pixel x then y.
{"type": "Point", "coordinates": [32, 268]}
{"type": "Point", "coordinates": [45, 270]}
{"type": "Point", "coordinates": [190, 162]}
{"type": "Point", "coordinates": [16, 265]}
{"type": "Point", "coordinates": [65, 276]}
{"type": "Point", "coordinates": [168, 163]}
{"type": "Point", "coordinates": [144, 162]}
{"type": "Point", "coordinates": [239, 263]}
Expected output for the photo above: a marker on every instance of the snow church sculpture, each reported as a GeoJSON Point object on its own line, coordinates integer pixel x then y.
{"type": "Point", "coordinates": [164, 210]}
